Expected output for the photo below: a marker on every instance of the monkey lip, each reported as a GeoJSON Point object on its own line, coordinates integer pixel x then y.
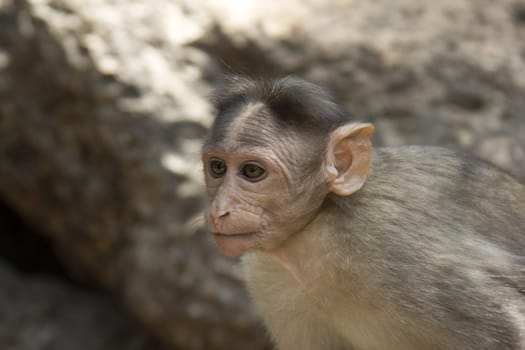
{"type": "Point", "coordinates": [234, 244]}
{"type": "Point", "coordinates": [234, 235]}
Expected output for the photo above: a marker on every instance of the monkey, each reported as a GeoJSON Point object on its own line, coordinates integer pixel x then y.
{"type": "Point", "coordinates": [348, 246]}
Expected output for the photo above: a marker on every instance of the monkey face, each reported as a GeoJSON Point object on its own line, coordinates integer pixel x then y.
{"type": "Point", "coordinates": [273, 154]}
{"type": "Point", "coordinates": [256, 200]}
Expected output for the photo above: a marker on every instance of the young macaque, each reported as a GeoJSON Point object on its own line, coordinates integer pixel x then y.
{"type": "Point", "coordinates": [346, 247]}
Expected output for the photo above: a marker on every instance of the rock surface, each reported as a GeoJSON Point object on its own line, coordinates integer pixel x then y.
{"type": "Point", "coordinates": [40, 313]}
{"type": "Point", "coordinates": [103, 106]}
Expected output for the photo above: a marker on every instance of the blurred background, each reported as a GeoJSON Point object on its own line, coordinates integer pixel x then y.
{"type": "Point", "coordinates": [103, 108]}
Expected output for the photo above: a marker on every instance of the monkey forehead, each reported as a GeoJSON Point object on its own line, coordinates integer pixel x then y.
{"type": "Point", "coordinates": [254, 144]}
{"type": "Point", "coordinates": [250, 125]}
{"type": "Point", "coordinates": [242, 153]}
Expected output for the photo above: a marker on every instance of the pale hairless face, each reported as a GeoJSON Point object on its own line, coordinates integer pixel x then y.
{"type": "Point", "coordinates": [257, 198]}
{"type": "Point", "coordinates": [252, 199]}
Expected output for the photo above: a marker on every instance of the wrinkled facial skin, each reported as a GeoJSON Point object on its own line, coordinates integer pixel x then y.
{"type": "Point", "coordinates": [256, 200]}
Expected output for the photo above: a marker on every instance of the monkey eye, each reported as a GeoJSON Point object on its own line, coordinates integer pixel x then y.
{"type": "Point", "coordinates": [253, 171]}
{"type": "Point", "coordinates": [217, 167]}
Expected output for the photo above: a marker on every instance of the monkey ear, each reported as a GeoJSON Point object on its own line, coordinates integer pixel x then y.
{"type": "Point", "coordinates": [348, 157]}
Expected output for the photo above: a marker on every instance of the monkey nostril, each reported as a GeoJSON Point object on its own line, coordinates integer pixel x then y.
{"type": "Point", "coordinates": [217, 216]}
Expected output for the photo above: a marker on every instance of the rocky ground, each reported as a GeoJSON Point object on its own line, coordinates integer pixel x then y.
{"type": "Point", "coordinates": [103, 107]}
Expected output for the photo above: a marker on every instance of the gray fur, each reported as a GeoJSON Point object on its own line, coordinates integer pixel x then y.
{"type": "Point", "coordinates": [429, 254]}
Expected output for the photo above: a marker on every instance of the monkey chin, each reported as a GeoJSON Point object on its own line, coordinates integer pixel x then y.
{"type": "Point", "coordinates": [234, 244]}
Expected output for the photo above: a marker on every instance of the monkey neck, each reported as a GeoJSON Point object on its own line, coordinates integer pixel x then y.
{"type": "Point", "coordinates": [296, 252]}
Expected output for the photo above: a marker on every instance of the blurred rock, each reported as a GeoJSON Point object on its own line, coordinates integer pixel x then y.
{"type": "Point", "coordinates": [107, 164]}
{"type": "Point", "coordinates": [103, 106]}
{"type": "Point", "coordinates": [42, 313]}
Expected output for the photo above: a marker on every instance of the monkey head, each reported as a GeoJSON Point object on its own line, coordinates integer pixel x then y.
{"type": "Point", "coordinates": [274, 153]}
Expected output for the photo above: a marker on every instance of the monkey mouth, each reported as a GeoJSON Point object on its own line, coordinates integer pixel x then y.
{"type": "Point", "coordinates": [235, 244]}
{"type": "Point", "coordinates": [240, 235]}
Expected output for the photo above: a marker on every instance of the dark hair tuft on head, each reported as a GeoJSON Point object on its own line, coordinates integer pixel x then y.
{"type": "Point", "coordinates": [292, 101]}
{"type": "Point", "coordinates": [234, 91]}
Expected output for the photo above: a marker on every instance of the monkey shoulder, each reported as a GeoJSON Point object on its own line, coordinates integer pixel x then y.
{"type": "Point", "coordinates": [439, 162]}
{"type": "Point", "coordinates": [426, 212]}
{"type": "Point", "coordinates": [437, 191]}
{"type": "Point", "coordinates": [434, 157]}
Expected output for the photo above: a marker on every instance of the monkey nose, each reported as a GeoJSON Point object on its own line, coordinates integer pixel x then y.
{"type": "Point", "coordinates": [217, 216]}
